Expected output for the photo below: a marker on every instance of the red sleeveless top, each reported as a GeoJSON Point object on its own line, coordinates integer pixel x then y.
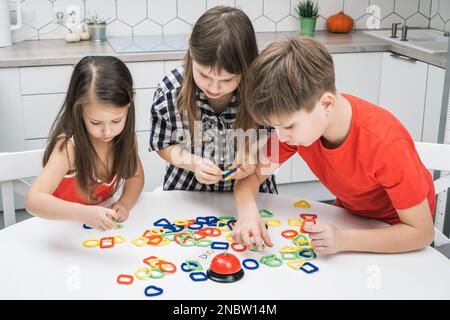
{"type": "Point", "coordinates": [68, 189]}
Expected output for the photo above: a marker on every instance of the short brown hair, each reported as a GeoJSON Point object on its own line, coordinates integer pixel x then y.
{"type": "Point", "coordinates": [288, 76]}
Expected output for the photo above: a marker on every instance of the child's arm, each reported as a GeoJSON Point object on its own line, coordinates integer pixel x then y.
{"type": "Point", "coordinates": [249, 223]}
{"type": "Point", "coordinates": [206, 171]}
{"type": "Point", "coordinates": [131, 190]}
{"type": "Point", "coordinates": [415, 231]}
{"type": "Point", "coordinates": [40, 201]}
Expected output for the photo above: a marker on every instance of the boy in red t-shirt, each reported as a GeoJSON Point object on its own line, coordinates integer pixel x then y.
{"type": "Point", "coordinates": [359, 151]}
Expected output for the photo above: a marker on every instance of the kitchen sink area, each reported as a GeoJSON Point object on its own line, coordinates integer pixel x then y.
{"type": "Point", "coordinates": [427, 40]}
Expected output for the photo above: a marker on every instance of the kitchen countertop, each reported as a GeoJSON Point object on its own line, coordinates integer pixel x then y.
{"type": "Point", "coordinates": [58, 52]}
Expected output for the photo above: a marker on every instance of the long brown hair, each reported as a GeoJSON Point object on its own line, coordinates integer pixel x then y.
{"type": "Point", "coordinates": [104, 79]}
{"type": "Point", "coordinates": [222, 38]}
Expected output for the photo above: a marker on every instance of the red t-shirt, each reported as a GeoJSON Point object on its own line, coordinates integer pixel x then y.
{"type": "Point", "coordinates": [375, 171]}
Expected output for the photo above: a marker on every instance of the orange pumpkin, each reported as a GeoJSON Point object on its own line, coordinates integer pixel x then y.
{"type": "Point", "coordinates": [340, 23]}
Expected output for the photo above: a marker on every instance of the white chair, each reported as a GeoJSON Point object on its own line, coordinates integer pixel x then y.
{"type": "Point", "coordinates": [158, 189]}
{"type": "Point", "coordinates": [14, 167]}
{"type": "Point", "coordinates": [437, 157]}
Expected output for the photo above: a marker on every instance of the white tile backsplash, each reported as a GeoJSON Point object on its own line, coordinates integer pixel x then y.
{"type": "Point", "coordinates": [141, 17]}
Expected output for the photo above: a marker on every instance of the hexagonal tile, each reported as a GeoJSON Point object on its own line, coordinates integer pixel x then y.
{"type": "Point", "coordinates": [447, 27]}
{"type": "Point", "coordinates": [52, 31]}
{"type": "Point", "coordinates": [104, 8]}
{"type": "Point", "coordinates": [63, 4]}
{"type": "Point", "coordinates": [213, 3]}
{"type": "Point", "coordinates": [263, 24]}
{"type": "Point", "coordinates": [434, 8]}
{"type": "Point", "coordinates": [444, 10]}
{"type": "Point", "coordinates": [356, 8]}
{"type": "Point", "coordinates": [26, 32]}
{"type": "Point", "coordinates": [418, 21]}
{"type": "Point", "coordinates": [321, 23]}
{"type": "Point", "coordinates": [389, 20]}
{"type": "Point", "coordinates": [424, 7]}
{"type": "Point", "coordinates": [277, 10]}
{"type": "Point", "coordinates": [117, 28]}
{"type": "Point", "coordinates": [131, 12]}
{"type": "Point", "coordinates": [290, 23]}
{"type": "Point", "coordinates": [406, 8]}
{"type": "Point", "coordinates": [162, 11]}
{"type": "Point", "coordinates": [254, 8]}
{"type": "Point", "coordinates": [437, 23]}
{"type": "Point", "coordinates": [177, 26]}
{"type": "Point", "coordinates": [37, 13]}
{"type": "Point", "coordinates": [147, 27]}
{"type": "Point", "coordinates": [191, 10]}
{"type": "Point", "coordinates": [386, 6]}
{"type": "Point", "coordinates": [328, 8]}
{"type": "Point", "coordinates": [361, 23]}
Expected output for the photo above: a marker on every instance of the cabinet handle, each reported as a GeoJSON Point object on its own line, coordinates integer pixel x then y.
{"type": "Point", "coordinates": [402, 57]}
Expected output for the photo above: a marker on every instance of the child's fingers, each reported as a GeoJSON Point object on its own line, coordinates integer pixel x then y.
{"type": "Point", "coordinates": [109, 224]}
{"type": "Point", "coordinates": [246, 240]}
{"type": "Point", "coordinates": [314, 228]}
{"type": "Point", "coordinates": [213, 168]}
{"type": "Point", "coordinates": [211, 171]}
{"type": "Point", "coordinates": [257, 240]}
{"type": "Point", "coordinates": [318, 243]}
{"type": "Point", "coordinates": [317, 236]}
{"type": "Point", "coordinates": [266, 238]}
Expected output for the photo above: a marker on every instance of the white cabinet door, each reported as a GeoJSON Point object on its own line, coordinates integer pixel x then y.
{"type": "Point", "coordinates": [359, 74]}
{"type": "Point", "coordinates": [433, 104]}
{"type": "Point", "coordinates": [11, 123]}
{"type": "Point", "coordinates": [146, 74]}
{"type": "Point", "coordinates": [143, 102]}
{"type": "Point", "coordinates": [403, 86]}
{"type": "Point", "coordinates": [39, 113]}
{"type": "Point", "coordinates": [154, 166]}
{"type": "Point", "coordinates": [48, 79]}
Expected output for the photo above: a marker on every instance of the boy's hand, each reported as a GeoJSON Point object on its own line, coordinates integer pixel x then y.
{"type": "Point", "coordinates": [250, 226]}
{"type": "Point", "coordinates": [121, 210]}
{"type": "Point", "coordinates": [326, 238]}
{"type": "Point", "coordinates": [100, 218]}
{"type": "Point", "coordinates": [207, 172]}
{"type": "Point", "coordinates": [243, 171]}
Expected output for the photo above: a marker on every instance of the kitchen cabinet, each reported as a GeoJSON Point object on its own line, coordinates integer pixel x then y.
{"type": "Point", "coordinates": [433, 104]}
{"type": "Point", "coordinates": [403, 89]}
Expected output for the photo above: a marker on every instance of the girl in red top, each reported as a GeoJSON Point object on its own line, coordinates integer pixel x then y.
{"type": "Point", "coordinates": [92, 149]}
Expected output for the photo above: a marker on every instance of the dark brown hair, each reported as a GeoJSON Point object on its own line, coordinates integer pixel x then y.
{"type": "Point", "coordinates": [288, 76]}
{"type": "Point", "coordinates": [222, 38]}
{"type": "Point", "coordinates": [104, 79]}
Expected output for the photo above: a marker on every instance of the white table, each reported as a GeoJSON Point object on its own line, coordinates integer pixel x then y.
{"type": "Point", "coordinates": [46, 260]}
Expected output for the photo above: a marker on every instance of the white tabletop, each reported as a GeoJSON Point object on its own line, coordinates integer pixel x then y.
{"type": "Point", "coordinates": [46, 260]}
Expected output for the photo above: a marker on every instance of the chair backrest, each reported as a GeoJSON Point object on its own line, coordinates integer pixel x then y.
{"type": "Point", "coordinates": [436, 156]}
{"type": "Point", "coordinates": [17, 165]}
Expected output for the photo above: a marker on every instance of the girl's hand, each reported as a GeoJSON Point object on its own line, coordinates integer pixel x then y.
{"type": "Point", "coordinates": [243, 171]}
{"type": "Point", "coordinates": [326, 238]}
{"type": "Point", "coordinates": [250, 226]}
{"type": "Point", "coordinates": [101, 218]}
{"type": "Point", "coordinates": [121, 210]}
{"type": "Point", "coordinates": [207, 172]}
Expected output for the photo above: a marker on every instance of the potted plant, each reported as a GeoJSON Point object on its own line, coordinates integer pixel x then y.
{"type": "Point", "coordinates": [97, 27]}
{"type": "Point", "coordinates": [307, 12]}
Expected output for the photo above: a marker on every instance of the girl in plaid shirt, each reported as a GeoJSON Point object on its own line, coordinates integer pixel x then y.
{"type": "Point", "coordinates": [197, 107]}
